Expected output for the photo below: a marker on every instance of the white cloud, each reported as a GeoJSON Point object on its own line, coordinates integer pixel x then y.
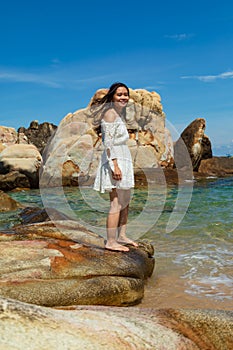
{"type": "Point", "coordinates": [154, 87]}
{"type": "Point", "coordinates": [62, 77]}
{"type": "Point", "coordinates": [179, 37]}
{"type": "Point", "coordinates": [24, 77]}
{"type": "Point", "coordinates": [210, 78]}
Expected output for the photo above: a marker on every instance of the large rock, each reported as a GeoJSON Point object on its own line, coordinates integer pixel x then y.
{"type": "Point", "coordinates": [31, 215]}
{"type": "Point", "coordinates": [25, 326]}
{"type": "Point", "coordinates": [62, 263]}
{"type": "Point", "coordinates": [74, 152]}
{"type": "Point", "coordinates": [37, 134]}
{"type": "Point", "coordinates": [217, 166]}
{"type": "Point", "coordinates": [206, 148]}
{"type": "Point", "coordinates": [12, 180]}
{"type": "Point", "coordinates": [7, 203]}
{"type": "Point", "coordinates": [23, 158]}
{"type": "Point", "coordinates": [8, 136]}
{"type": "Point", "coordinates": [20, 157]}
{"type": "Point", "coordinates": [195, 142]}
{"type": "Point", "coordinates": [2, 147]}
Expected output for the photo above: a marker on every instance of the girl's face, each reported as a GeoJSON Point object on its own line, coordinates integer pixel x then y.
{"type": "Point", "coordinates": [121, 97]}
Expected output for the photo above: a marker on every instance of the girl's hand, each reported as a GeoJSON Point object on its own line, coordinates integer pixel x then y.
{"type": "Point", "coordinates": [117, 174]}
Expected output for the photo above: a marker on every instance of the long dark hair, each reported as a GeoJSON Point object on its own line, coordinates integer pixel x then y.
{"type": "Point", "coordinates": [111, 92]}
{"type": "Point", "coordinates": [105, 102]}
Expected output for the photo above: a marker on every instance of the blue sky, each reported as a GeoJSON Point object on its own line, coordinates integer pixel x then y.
{"type": "Point", "coordinates": [56, 54]}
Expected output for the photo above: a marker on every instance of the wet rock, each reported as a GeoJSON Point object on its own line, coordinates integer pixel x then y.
{"type": "Point", "coordinates": [216, 166]}
{"type": "Point", "coordinates": [12, 180]}
{"type": "Point", "coordinates": [30, 215]}
{"type": "Point", "coordinates": [163, 176]}
{"type": "Point", "coordinates": [7, 203]}
{"type": "Point", "coordinates": [62, 263]}
{"type": "Point", "coordinates": [29, 327]}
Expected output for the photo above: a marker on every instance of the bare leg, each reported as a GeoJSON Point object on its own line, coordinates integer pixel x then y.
{"type": "Point", "coordinates": [124, 198]}
{"type": "Point", "coordinates": [112, 224]}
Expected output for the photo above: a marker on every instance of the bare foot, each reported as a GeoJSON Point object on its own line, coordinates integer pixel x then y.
{"type": "Point", "coordinates": [125, 240]}
{"type": "Point", "coordinates": [116, 247]}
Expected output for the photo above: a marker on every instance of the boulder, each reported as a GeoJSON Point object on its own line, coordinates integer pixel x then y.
{"type": "Point", "coordinates": [8, 136]}
{"type": "Point", "coordinates": [23, 158]}
{"type": "Point", "coordinates": [163, 176]}
{"type": "Point", "coordinates": [74, 151]}
{"type": "Point", "coordinates": [12, 180]}
{"type": "Point", "coordinates": [167, 159]}
{"type": "Point", "coordinates": [25, 326]}
{"type": "Point", "coordinates": [7, 203]}
{"type": "Point", "coordinates": [216, 166]}
{"type": "Point", "coordinates": [2, 147]}
{"type": "Point", "coordinates": [145, 157]}
{"type": "Point", "coordinates": [206, 148]}
{"type": "Point", "coordinates": [31, 215]}
{"type": "Point", "coordinates": [58, 263]}
{"type": "Point", "coordinates": [37, 134]}
{"type": "Point", "coordinates": [195, 142]}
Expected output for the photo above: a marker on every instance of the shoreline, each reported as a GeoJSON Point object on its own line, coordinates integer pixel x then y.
{"type": "Point", "coordinates": [164, 291]}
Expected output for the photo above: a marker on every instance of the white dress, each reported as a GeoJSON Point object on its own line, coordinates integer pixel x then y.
{"type": "Point", "coordinates": [114, 138]}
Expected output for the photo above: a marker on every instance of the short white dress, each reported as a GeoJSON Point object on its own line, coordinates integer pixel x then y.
{"type": "Point", "coordinates": [114, 138]}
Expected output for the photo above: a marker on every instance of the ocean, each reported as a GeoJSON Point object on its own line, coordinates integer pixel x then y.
{"type": "Point", "coordinates": [190, 226]}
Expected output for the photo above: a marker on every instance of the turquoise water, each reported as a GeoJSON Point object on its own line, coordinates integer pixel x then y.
{"type": "Point", "coordinates": [199, 246]}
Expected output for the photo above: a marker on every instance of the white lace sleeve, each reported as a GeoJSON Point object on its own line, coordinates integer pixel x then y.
{"type": "Point", "coordinates": [122, 136]}
{"type": "Point", "coordinates": [108, 137]}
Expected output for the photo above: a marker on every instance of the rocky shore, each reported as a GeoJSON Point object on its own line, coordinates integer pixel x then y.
{"type": "Point", "coordinates": [59, 289]}
{"type": "Point", "coordinates": [68, 154]}
{"type": "Point", "coordinates": [54, 261]}
{"type": "Point", "coordinates": [58, 285]}
{"type": "Point", "coordinates": [97, 327]}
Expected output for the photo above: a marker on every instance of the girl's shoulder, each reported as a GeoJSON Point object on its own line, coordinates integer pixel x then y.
{"type": "Point", "coordinates": [110, 116]}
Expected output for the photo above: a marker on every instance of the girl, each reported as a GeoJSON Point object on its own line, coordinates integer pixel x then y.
{"type": "Point", "coordinates": [115, 172]}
